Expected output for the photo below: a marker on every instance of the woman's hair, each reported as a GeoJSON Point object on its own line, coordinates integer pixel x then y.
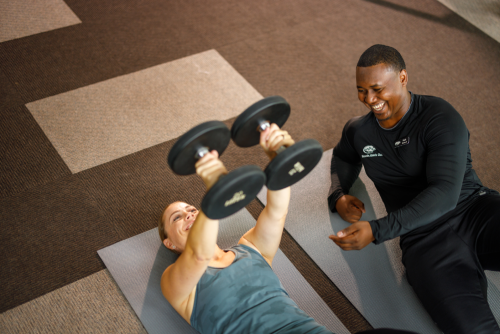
{"type": "Point", "coordinates": [161, 226]}
{"type": "Point", "coordinates": [161, 229]}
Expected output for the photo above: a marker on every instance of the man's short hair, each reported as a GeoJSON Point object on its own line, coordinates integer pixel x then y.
{"type": "Point", "coordinates": [382, 54]}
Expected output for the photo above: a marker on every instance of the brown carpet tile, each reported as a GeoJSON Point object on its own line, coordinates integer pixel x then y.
{"type": "Point", "coordinates": [27, 157]}
{"type": "Point", "coordinates": [8, 93]}
{"type": "Point", "coordinates": [50, 237]}
{"type": "Point", "coordinates": [57, 61]}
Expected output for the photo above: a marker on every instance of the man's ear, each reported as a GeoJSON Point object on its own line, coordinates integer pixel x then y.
{"type": "Point", "coordinates": [403, 78]}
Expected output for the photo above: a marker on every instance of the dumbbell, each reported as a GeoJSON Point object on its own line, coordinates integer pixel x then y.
{"type": "Point", "coordinates": [290, 164]}
{"type": "Point", "coordinates": [232, 191]}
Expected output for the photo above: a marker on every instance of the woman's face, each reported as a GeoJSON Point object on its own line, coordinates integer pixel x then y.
{"type": "Point", "coordinates": [178, 219]}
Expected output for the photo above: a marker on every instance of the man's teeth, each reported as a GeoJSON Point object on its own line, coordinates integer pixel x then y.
{"type": "Point", "coordinates": [379, 106]}
{"type": "Point", "coordinates": [189, 226]}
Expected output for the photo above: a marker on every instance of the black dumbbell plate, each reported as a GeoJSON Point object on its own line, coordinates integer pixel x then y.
{"type": "Point", "coordinates": [213, 134]}
{"type": "Point", "coordinates": [233, 192]}
{"type": "Point", "coordinates": [293, 164]}
{"type": "Point", "coordinates": [273, 109]}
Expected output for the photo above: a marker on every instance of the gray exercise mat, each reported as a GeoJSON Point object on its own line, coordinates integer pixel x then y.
{"type": "Point", "coordinates": [137, 264]}
{"type": "Point", "coordinates": [373, 279]}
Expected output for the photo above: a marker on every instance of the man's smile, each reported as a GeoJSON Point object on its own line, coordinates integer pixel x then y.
{"type": "Point", "coordinates": [378, 107]}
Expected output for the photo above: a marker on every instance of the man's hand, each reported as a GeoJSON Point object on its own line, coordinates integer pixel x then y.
{"type": "Point", "coordinates": [273, 138]}
{"type": "Point", "coordinates": [355, 237]}
{"type": "Point", "coordinates": [210, 168]}
{"type": "Point", "coordinates": [350, 208]}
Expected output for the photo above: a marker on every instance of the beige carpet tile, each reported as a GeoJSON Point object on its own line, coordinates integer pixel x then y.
{"type": "Point", "coordinates": [105, 121]}
{"type": "Point", "coordinates": [93, 304]}
{"type": "Point", "coordinates": [21, 18]}
{"type": "Point", "coordinates": [484, 14]}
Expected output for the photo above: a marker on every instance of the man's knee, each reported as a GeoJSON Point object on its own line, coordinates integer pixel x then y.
{"type": "Point", "coordinates": [469, 314]}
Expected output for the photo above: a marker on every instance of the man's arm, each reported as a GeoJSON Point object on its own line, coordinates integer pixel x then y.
{"type": "Point", "coordinates": [446, 138]}
{"type": "Point", "coordinates": [344, 169]}
{"type": "Point", "coordinates": [343, 175]}
{"type": "Point", "coordinates": [180, 278]}
{"type": "Point", "coordinates": [266, 235]}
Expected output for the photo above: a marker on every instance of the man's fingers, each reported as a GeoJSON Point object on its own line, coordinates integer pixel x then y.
{"type": "Point", "coordinates": [355, 237]}
{"type": "Point", "coordinates": [347, 243]}
{"type": "Point", "coordinates": [347, 231]}
{"type": "Point", "coordinates": [360, 205]}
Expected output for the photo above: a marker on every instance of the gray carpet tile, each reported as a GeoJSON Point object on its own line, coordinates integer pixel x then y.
{"type": "Point", "coordinates": [95, 124]}
{"type": "Point", "coordinates": [42, 16]}
{"type": "Point", "coordinates": [484, 14]}
{"type": "Point", "coordinates": [27, 157]}
{"type": "Point", "coordinates": [50, 236]}
{"type": "Point", "coordinates": [93, 304]}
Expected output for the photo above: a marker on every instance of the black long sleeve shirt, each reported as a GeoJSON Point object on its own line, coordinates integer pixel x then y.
{"type": "Point", "coordinates": [422, 167]}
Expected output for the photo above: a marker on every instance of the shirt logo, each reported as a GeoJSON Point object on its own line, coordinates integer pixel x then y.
{"type": "Point", "coordinates": [369, 151]}
{"type": "Point", "coordinates": [402, 142]}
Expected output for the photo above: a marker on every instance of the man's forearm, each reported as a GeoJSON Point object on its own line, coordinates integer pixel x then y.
{"type": "Point", "coordinates": [343, 175]}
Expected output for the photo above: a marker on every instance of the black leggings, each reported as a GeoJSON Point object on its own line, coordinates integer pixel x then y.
{"type": "Point", "coordinates": [445, 265]}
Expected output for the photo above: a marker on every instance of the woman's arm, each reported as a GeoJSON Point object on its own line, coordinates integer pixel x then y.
{"type": "Point", "coordinates": [266, 235]}
{"type": "Point", "coordinates": [179, 279]}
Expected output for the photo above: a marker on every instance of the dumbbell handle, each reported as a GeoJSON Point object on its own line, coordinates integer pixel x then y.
{"type": "Point", "coordinates": [262, 127]}
{"type": "Point", "coordinates": [201, 153]}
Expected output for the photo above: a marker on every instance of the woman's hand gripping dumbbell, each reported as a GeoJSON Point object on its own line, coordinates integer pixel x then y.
{"type": "Point", "coordinates": [290, 162]}
{"type": "Point", "coordinates": [198, 151]}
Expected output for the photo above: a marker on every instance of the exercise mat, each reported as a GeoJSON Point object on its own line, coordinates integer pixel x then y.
{"type": "Point", "coordinates": [137, 264]}
{"type": "Point", "coordinates": [373, 279]}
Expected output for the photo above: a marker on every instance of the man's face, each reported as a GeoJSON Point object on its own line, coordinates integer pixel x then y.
{"type": "Point", "coordinates": [178, 219]}
{"type": "Point", "coordinates": [383, 91]}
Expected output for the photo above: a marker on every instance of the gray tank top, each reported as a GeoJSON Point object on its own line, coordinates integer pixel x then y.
{"type": "Point", "coordinates": [247, 297]}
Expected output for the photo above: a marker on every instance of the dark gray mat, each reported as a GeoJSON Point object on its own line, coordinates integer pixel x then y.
{"type": "Point", "coordinates": [137, 263]}
{"type": "Point", "coordinates": [372, 279]}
